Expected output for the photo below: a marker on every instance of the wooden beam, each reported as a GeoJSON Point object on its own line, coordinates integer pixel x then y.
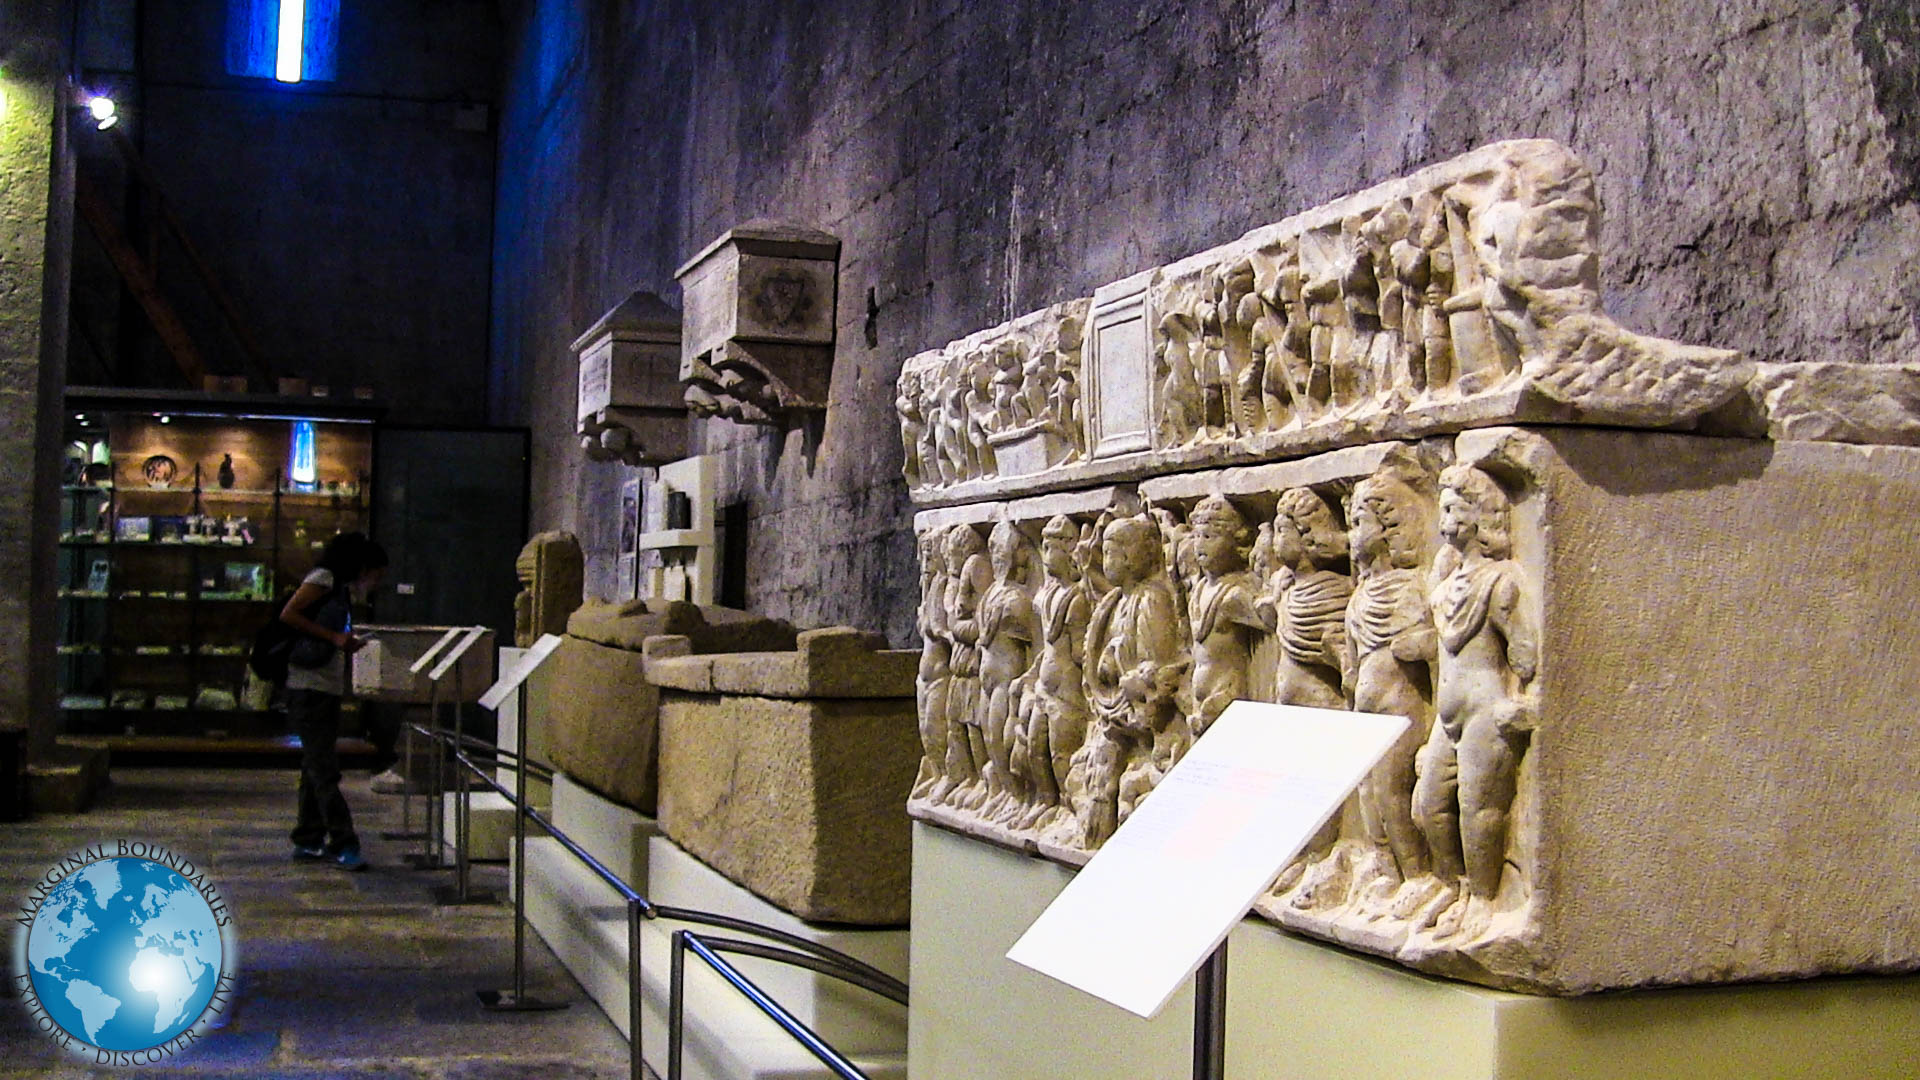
{"type": "Point", "coordinates": [139, 278]}
{"type": "Point", "coordinates": [229, 310]}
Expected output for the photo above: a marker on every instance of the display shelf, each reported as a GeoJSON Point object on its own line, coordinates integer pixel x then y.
{"type": "Point", "coordinates": [125, 584]}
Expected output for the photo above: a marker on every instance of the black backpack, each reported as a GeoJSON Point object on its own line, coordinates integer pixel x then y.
{"type": "Point", "coordinates": [272, 644]}
{"type": "Point", "coordinates": [275, 644]}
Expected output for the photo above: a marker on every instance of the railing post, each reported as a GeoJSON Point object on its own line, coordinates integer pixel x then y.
{"type": "Point", "coordinates": [676, 1003]}
{"type": "Point", "coordinates": [636, 987]}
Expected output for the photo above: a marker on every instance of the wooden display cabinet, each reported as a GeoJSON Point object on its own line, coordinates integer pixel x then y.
{"type": "Point", "coordinates": [179, 538]}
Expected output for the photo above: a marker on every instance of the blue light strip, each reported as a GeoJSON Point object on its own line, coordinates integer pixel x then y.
{"type": "Point", "coordinates": [293, 33]}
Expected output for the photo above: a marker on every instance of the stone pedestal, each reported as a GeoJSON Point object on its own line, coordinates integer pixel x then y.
{"type": "Point", "coordinates": [1308, 1011]}
{"type": "Point", "coordinates": [788, 772]}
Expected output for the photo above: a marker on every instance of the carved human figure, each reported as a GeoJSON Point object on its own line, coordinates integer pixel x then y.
{"type": "Point", "coordinates": [1010, 408]}
{"type": "Point", "coordinates": [1134, 668]}
{"type": "Point", "coordinates": [1063, 398]}
{"type": "Point", "coordinates": [1423, 267]}
{"type": "Point", "coordinates": [970, 578]}
{"type": "Point", "coordinates": [1330, 329]}
{"type": "Point", "coordinates": [959, 459]}
{"type": "Point", "coordinates": [1309, 614]}
{"type": "Point", "coordinates": [1286, 336]}
{"type": "Point", "coordinates": [1007, 635]}
{"type": "Point", "coordinates": [981, 417]}
{"type": "Point", "coordinates": [1220, 610]}
{"type": "Point", "coordinates": [1036, 382]}
{"type": "Point", "coordinates": [1213, 370]}
{"type": "Point", "coordinates": [936, 662]}
{"type": "Point", "coordinates": [1240, 310]}
{"type": "Point", "coordinates": [1360, 295]}
{"type": "Point", "coordinates": [1306, 604]}
{"type": "Point", "coordinates": [1064, 390]}
{"type": "Point", "coordinates": [931, 465]}
{"type": "Point", "coordinates": [1386, 233]}
{"type": "Point", "coordinates": [1391, 642]}
{"type": "Point", "coordinates": [1489, 651]}
{"type": "Point", "coordinates": [912, 425]}
{"type": "Point", "coordinates": [1182, 410]}
{"type": "Point", "coordinates": [1057, 722]}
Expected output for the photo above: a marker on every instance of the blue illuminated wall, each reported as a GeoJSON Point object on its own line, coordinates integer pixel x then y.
{"type": "Point", "coordinates": [253, 38]}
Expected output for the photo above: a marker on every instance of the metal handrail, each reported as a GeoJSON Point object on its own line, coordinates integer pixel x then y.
{"type": "Point", "coordinates": [500, 754]}
{"type": "Point", "coordinates": [708, 950]}
{"type": "Point", "coordinates": [801, 952]}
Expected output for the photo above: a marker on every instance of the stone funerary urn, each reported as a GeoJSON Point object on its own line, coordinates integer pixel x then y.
{"type": "Point", "coordinates": [1644, 602]}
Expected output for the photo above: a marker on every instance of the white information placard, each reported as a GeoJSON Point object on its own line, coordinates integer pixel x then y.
{"type": "Point", "coordinates": [419, 665]}
{"type": "Point", "coordinates": [458, 650]}
{"type": "Point", "coordinates": [1169, 885]}
{"type": "Point", "coordinates": [512, 678]}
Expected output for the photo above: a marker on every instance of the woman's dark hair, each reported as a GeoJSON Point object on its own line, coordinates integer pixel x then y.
{"type": "Point", "coordinates": [350, 554]}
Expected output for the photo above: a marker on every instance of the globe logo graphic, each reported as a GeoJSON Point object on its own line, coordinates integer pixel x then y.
{"type": "Point", "coordinates": [125, 954]}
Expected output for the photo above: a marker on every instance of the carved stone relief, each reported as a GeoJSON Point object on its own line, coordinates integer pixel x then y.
{"type": "Point", "coordinates": [1628, 656]}
{"type": "Point", "coordinates": [760, 323]}
{"type": "Point", "coordinates": [1465, 295]}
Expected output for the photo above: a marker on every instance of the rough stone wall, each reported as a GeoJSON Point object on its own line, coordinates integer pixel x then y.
{"type": "Point", "coordinates": [36, 222]}
{"type": "Point", "coordinates": [350, 218]}
{"type": "Point", "coordinates": [1759, 163]}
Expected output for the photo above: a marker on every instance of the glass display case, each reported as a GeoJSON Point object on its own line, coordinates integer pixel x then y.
{"type": "Point", "coordinates": [179, 533]}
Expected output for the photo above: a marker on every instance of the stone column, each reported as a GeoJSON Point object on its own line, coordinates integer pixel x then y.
{"type": "Point", "coordinates": [36, 243]}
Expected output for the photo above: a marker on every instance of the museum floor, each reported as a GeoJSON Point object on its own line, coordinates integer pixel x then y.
{"type": "Point", "coordinates": [349, 976]}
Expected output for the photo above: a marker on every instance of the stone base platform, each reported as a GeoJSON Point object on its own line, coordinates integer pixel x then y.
{"type": "Point", "coordinates": [583, 921]}
{"type": "Point", "coordinates": [1310, 1011]}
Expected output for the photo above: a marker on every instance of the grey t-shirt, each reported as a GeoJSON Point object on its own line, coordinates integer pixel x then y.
{"type": "Point", "coordinates": [330, 677]}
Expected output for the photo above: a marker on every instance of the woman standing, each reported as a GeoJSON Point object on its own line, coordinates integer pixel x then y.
{"type": "Point", "coordinates": [322, 611]}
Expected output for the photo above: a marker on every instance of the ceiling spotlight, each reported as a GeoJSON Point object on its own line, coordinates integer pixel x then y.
{"type": "Point", "coordinates": [102, 109]}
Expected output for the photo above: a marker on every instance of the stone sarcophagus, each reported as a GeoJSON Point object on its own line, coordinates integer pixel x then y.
{"type": "Point", "coordinates": [601, 712]}
{"type": "Point", "coordinates": [1391, 455]}
{"type": "Point", "coordinates": [787, 771]}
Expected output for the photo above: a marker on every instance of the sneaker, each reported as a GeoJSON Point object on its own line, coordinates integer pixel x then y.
{"type": "Point", "coordinates": [350, 859]}
{"type": "Point", "coordinates": [302, 853]}
{"type": "Point", "coordinates": [389, 783]}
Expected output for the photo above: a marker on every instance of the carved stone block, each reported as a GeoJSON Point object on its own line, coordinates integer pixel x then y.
{"type": "Point", "coordinates": [601, 712]}
{"type": "Point", "coordinates": [629, 399]}
{"type": "Point", "coordinates": [760, 322]}
{"type": "Point", "coordinates": [787, 772]}
{"type": "Point", "coordinates": [1638, 666]}
{"type": "Point", "coordinates": [552, 573]}
{"type": "Point", "coordinates": [1658, 683]}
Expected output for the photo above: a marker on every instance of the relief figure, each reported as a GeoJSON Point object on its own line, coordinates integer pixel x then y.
{"type": "Point", "coordinates": [971, 577]}
{"type": "Point", "coordinates": [1391, 643]}
{"type": "Point", "coordinates": [1056, 726]}
{"type": "Point", "coordinates": [913, 426]}
{"type": "Point", "coordinates": [1181, 407]}
{"type": "Point", "coordinates": [1489, 651]}
{"type": "Point", "coordinates": [936, 662]}
{"type": "Point", "coordinates": [1007, 634]}
{"type": "Point", "coordinates": [1134, 669]}
{"type": "Point", "coordinates": [1220, 610]}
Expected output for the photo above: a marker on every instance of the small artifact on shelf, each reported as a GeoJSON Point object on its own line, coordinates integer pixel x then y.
{"type": "Point", "coordinates": [215, 699]}
{"type": "Point", "coordinates": [153, 650]}
{"type": "Point", "coordinates": [159, 470]}
{"type": "Point", "coordinates": [225, 476]}
{"type": "Point", "coordinates": [97, 576]}
{"type": "Point", "coordinates": [133, 529]}
{"type": "Point", "coordinates": [129, 700]}
{"type": "Point", "coordinates": [169, 702]}
{"type": "Point", "coordinates": [78, 702]}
